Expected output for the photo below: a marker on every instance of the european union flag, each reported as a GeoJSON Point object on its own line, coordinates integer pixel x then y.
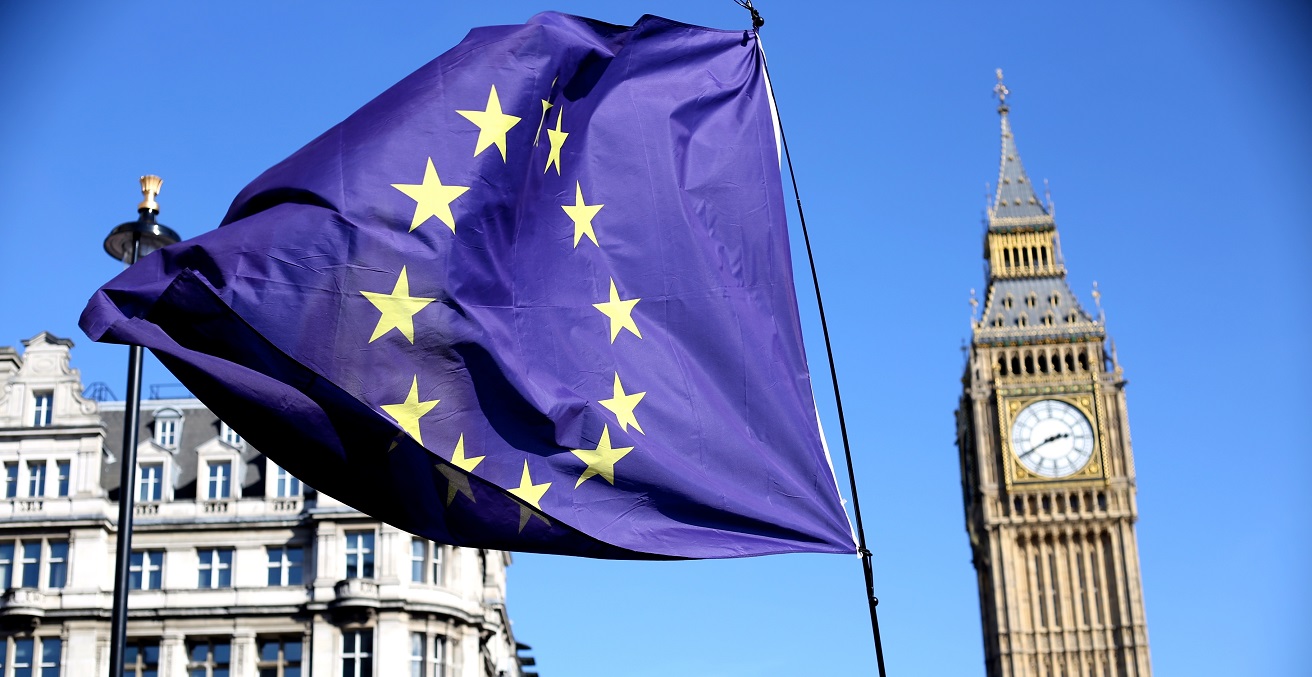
{"type": "Point", "coordinates": [537, 296]}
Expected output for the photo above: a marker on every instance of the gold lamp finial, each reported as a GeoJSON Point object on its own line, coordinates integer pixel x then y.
{"type": "Point", "coordinates": [150, 185]}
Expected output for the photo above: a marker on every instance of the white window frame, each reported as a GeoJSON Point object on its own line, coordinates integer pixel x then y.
{"type": "Point", "coordinates": [63, 477]}
{"type": "Point", "coordinates": [19, 564]}
{"type": "Point", "coordinates": [156, 483]}
{"type": "Point", "coordinates": [36, 481]}
{"type": "Point", "coordinates": [39, 665]}
{"type": "Point", "coordinates": [167, 432]}
{"type": "Point", "coordinates": [285, 484]}
{"type": "Point", "coordinates": [12, 471]}
{"type": "Point", "coordinates": [281, 662]}
{"type": "Point", "coordinates": [43, 408]}
{"type": "Point", "coordinates": [210, 560]}
{"type": "Point", "coordinates": [147, 567]}
{"type": "Point", "coordinates": [283, 565]}
{"type": "Point", "coordinates": [431, 559]}
{"type": "Point", "coordinates": [210, 664]}
{"type": "Point", "coordinates": [229, 436]}
{"type": "Point", "coordinates": [224, 489]}
{"type": "Point", "coordinates": [363, 554]}
{"type": "Point", "coordinates": [22, 562]}
{"type": "Point", "coordinates": [51, 561]}
{"type": "Point", "coordinates": [357, 647]}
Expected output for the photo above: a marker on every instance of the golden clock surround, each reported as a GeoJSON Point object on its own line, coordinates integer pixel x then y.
{"type": "Point", "coordinates": [1093, 473]}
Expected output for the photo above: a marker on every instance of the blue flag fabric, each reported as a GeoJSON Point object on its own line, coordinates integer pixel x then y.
{"type": "Point", "coordinates": [537, 296]}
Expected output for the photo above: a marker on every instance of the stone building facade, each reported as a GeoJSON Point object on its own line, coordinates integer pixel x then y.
{"type": "Point", "coordinates": [1047, 470]}
{"type": "Point", "coordinates": [238, 569]}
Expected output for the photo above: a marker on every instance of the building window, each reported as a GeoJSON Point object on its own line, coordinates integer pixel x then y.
{"type": "Point", "coordinates": [43, 409]}
{"type": "Point", "coordinates": [166, 432]}
{"type": "Point", "coordinates": [208, 658]}
{"type": "Point", "coordinates": [427, 655]}
{"type": "Point", "coordinates": [57, 565]}
{"type": "Point", "coordinates": [357, 653]}
{"type": "Point", "coordinates": [21, 562]}
{"type": "Point", "coordinates": [6, 564]}
{"type": "Point", "coordinates": [36, 478]}
{"type": "Point", "coordinates": [229, 436]}
{"type": "Point", "coordinates": [215, 568]}
{"type": "Point", "coordinates": [426, 561]}
{"type": "Point", "coordinates": [62, 475]}
{"type": "Point", "coordinates": [150, 482]}
{"type": "Point", "coordinates": [285, 565]}
{"type": "Point", "coordinates": [279, 657]}
{"type": "Point", "coordinates": [285, 484]}
{"type": "Point", "coordinates": [28, 574]}
{"type": "Point", "coordinates": [360, 554]}
{"type": "Point", "coordinates": [141, 659]}
{"type": "Point", "coordinates": [11, 479]}
{"type": "Point", "coordinates": [32, 656]}
{"type": "Point", "coordinates": [144, 569]}
{"type": "Point", "coordinates": [218, 485]}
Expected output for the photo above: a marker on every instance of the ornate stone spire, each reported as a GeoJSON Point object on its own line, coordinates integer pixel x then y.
{"type": "Point", "coordinates": [1015, 201]}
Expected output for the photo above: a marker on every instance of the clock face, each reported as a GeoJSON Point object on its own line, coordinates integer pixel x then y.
{"type": "Point", "coordinates": [1052, 438]}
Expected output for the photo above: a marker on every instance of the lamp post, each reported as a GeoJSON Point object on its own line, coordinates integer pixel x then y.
{"type": "Point", "coordinates": [128, 242]}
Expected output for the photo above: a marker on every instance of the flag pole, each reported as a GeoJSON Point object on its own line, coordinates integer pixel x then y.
{"type": "Point", "coordinates": [867, 565]}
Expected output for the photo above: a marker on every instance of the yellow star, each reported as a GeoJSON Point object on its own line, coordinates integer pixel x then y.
{"type": "Point", "coordinates": [398, 309]}
{"type": "Point", "coordinates": [581, 214]}
{"type": "Point", "coordinates": [622, 406]}
{"type": "Point", "coordinates": [407, 413]}
{"type": "Point", "coordinates": [431, 198]}
{"type": "Point", "coordinates": [546, 106]}
{"type": "Point", "coordinates": [619, 312]}
{"type": "Point", "coordinates": [601, 461]}
{"type": "Point", "coordinates": [456, 481]}
{"type": "Point", "coordinates": [529, 493]}
{"type": "Point", "coordinates": [557, 139]}
{"type": "Point", "coordinates": [492, 124]}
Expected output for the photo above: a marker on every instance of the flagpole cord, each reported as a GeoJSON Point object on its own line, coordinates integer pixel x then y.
{"type": "Point", "coordinates": [867, 565]}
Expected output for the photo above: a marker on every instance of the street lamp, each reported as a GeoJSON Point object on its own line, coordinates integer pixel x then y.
{"type": "Point", "coordinates": [128, 242]}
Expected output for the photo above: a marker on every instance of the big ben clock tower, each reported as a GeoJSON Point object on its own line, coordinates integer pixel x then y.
{"type": "Point", "coordinates": [1046, 466]}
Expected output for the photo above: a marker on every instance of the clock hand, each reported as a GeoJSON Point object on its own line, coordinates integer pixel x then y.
{"type": "Point", "coordinates": [1054, 438]}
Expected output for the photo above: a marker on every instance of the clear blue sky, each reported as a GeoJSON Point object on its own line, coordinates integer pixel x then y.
{"type": "Point", "coordinates": [1176, 138]}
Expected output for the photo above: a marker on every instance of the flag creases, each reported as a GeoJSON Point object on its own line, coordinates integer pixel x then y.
{"type": "Point", "coordinates": [536, 296]}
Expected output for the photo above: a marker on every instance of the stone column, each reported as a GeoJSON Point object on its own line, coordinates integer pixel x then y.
{"type": "Point", "coordinates": [172, 654]}
{"type": "Point", "coordinates": [243, 654]}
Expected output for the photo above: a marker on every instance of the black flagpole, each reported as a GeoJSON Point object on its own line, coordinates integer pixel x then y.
{"type": "Point", "coordinates": [127, 243]}
{"type": "Point", "coordinates": [867, 565]}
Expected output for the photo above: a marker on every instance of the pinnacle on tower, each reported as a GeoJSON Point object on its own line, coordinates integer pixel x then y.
{"type": "Point", "coordinates": [1015, 197]}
